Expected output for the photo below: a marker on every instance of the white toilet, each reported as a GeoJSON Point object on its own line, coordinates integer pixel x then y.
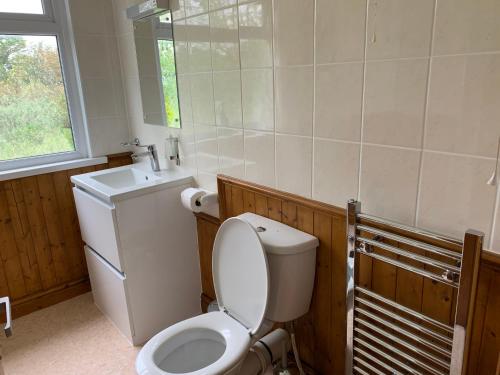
{"type": "Point", "coordinates": [263, 273]}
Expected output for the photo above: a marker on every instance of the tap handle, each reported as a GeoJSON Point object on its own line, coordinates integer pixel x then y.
{"type": "Point", "coordinates": [8, 320]}
{"type": "Point", "coordinates": [135, 142]}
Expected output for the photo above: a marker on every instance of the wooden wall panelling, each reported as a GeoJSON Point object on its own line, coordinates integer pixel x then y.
{"type": "Point", "coordinates": [321, 333]}
{"type": "Point", "coordinates": [320, 337]}
{"type": "Point", "coordinates": [41, 250]}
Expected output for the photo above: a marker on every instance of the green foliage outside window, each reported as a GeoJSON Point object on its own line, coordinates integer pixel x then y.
{"type": "Point", "coordinates": [169, 80]}
{"type": "Point", "coordinates": [34, 116]}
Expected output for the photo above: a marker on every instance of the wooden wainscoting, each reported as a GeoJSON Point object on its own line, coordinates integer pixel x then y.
{"type": "Point", "coordinates": [321, 334]}
{"type": "Point", "coordinates": [41, 251]}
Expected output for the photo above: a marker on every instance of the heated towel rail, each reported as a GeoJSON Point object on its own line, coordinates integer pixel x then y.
{"type": "Point", "coordinates": [386, 337]}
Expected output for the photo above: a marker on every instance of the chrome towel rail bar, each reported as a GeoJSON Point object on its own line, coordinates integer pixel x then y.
{"type": "Point", "coordinates": [408, 241]}
{"type": "Point", "coordinates": [375, 360]}
{"type": "Point", "coordinates": [407, 254]}
{"type": "Point", "coordinates": [407, 267]}
{"type": "Point", "coordinates": [407, 358]}
{"type": "Point", "coordinates": [410, 335]}
{"type": "Point", "coordinates": [407, 228]}
{"type": "Point", "coordinates": [406, 310]}
{"type": "Point", "coordinates": [435, 335]}
{"type": "Point", "coordinates": [387, 356]}
{"type": "Point", "coordinates": [385, 337]}
{"type": "Point", "coordinates": [403, 343]}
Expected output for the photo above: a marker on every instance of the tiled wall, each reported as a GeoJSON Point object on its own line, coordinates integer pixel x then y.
{"type": "Point", "coordinates": [394, 102]}
{"type": "Point", "coordinates": [98, 60]}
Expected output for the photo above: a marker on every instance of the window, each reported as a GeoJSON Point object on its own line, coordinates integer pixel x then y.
{"type": "Point", "coordinates": [40, 111]}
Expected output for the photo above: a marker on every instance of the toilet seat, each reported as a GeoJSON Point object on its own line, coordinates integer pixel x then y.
{"type": "Point", "coordinates": [216, 343]}
{"type": "Point", "coordinates": [236, 341]}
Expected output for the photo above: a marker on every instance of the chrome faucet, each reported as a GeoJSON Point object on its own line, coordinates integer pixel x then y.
{"type": "Point", "coordinates": [151, 152]}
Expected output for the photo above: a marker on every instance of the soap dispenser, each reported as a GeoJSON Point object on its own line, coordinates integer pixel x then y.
{"type": "Point", "coordinates": [172, 152]}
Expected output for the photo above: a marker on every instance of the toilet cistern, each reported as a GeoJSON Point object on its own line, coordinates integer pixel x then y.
{"type": "Point", "coordinates": [260, 277]}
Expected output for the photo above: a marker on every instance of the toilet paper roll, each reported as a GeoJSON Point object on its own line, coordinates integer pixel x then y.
{"type": "Point", "coordinates": [190, 198]}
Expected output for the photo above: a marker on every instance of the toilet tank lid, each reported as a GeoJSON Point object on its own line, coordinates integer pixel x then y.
{"type": "Point", "coordinates": [279, 238]}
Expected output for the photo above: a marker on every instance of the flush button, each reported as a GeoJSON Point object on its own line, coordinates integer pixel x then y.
{"type": "Point", "coordinates": [261, 229]}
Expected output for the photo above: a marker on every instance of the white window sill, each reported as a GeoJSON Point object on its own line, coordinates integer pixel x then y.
{"type": "Point", "coordinates": [49, 168]}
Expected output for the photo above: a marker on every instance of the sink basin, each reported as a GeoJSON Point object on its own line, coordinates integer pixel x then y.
{"type": "Point", "coordinates": [115, 184]}
{"type": "Point", "coordinates": [125, 178]}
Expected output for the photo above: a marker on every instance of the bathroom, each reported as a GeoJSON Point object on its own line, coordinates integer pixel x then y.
{"type": "Point", "coordinates": [344, 151]}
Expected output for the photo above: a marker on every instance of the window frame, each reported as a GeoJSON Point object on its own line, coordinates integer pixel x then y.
{"type": "Point", "coordinates": [55, 21]}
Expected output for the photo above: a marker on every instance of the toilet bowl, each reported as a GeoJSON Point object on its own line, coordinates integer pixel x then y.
{"type": "Point", "coordinates": [212, 343]}
{"type": "Point", "coordinates": [217, 343]}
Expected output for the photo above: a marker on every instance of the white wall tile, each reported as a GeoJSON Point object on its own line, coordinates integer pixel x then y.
{"type": "Point", "coordinates": [185, 105]}
{"type": "Point", "coordinates": [181, 46]}
{"type": "Point", "coordinates": [202, 99]}
{"type": "Point", "coordinates": [187, 148]}
{"type": "Point", "coordinates": [256, 34]}
{"type": "Point", "coordinates": [231, 152]}
{"type": "Point", "coordinates": [224, 39]}
{"type": "Point", "coordinates": [258, 99]}
{"type": "Point", "coordinates": [454, 195]}
{"type": "Point", "coordinates": [128, 56]}
{"type": "Point", "coordinates": [121, 22]}
{"type": "Point", "coordinates": [94, 58]}
{"type": "Point", "coordinates": [293, 32]}
{"type": "Point", "coordinates": [193, 7]}
{"type": "Point", "coordinates": [106, 134]}
{"type": "Point", "coordinates": [464, 104]}
{"type": "Point", "coordinates": [259, 158]}
{"type": "Point", "coordinates": [389, 180]}
{"type": "Point", "coordinates": [207, 154]}
{"type": "Point", "coordinates": [336, 170]}
{"type": "Point", "coordinates": [294, 100]}
{"type": "Point", "coordinates": [217, 4]}
{"type": "Point", "coordinates": [101, 98]}
{"type": "Point", "coordinates": [399, 28]}
{"type": "Point", "coordinates": [227, 97]}
{"type": "Point", "coordinates": [207, 181]}
{"type": "Point", "coordinates": [340, 30]}
{"type": "Point", "coordinates": [293, 164]}
{"type": "Point", "coordinates": [198, 35]}
{"type": "Point", "coordinates": [395, 95]}
{"type": "Point", "coordinates": [464, 26]}
{"type": "Point", "coordinates": [92, 16]}
{"type": "Point", "coordinates": [339, 92]}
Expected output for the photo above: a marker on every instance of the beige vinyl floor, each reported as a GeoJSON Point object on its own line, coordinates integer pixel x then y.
{"type": "Point", "coordinates": [71, 338]}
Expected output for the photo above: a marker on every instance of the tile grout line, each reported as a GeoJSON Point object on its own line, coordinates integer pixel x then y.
{"type": "Point", "coordinates": [195, 144]}
{"type": "Point", "coordinates": [273, 16]}
{"type": "Point", "coordinates": [424, 125]}
{"type": "Point", "coordinates": [313, 147]}
{"type": "Point", "coordinates": [237, 6]}
{"type": "Point", "coordinates": [363, 92]}
{"type": "Point", "coordinates": [209, 14]}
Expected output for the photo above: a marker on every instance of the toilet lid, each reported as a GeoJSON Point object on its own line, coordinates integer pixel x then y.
{"type": "Point", "coordinates": [240, 272]}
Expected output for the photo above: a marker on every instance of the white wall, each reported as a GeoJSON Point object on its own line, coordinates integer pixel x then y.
{"type": "Point", "coordinates": [99, 64]}
{"type": "Point", "coordinates": [393, 102]}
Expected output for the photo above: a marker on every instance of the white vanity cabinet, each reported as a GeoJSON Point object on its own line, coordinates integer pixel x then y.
{"type": "Point", "coordinates": [142, 256]}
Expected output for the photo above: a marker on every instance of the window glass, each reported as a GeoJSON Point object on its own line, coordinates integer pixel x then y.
{"type": "Point", "coordinates": [21, 6]}
{"type": "Point", "coordinates": [34, 116]}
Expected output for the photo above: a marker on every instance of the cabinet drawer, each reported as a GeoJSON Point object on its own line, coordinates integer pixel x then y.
{"type": "Point", "coordinates": [108, 289]}
{"type": "Point", "coordinates": [98, 226]}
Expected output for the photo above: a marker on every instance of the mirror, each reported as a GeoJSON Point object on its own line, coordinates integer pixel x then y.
{"type": "Point", "coordinates": [154, 45]}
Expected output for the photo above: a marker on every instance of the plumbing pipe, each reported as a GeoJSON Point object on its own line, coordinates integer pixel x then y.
{"type": "Point", "coordinates": [264, 353]}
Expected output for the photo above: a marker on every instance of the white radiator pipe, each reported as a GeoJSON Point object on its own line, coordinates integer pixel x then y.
{"type": "Point", "coordinates": [265, 352]}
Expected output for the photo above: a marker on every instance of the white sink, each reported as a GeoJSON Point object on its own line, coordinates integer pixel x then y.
{"type": "Point", "coordinates": [125, 178]}
{"type": "Point", "coordinates": [125, 182]}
